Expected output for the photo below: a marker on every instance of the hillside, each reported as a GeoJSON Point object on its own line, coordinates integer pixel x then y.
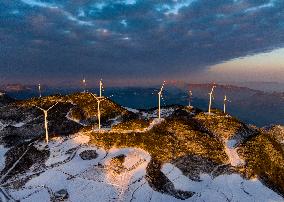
{"type": "Point", "coordinates": [5, 99]}
{"type": "Point", "coordinates": [187, 155]}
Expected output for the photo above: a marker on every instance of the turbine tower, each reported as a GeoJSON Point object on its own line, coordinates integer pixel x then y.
{"type": "Point", "coordinates": [210, 98]}
{"type": "Point", "coordinates": [99, 100]}
{"type": "Point", "coordinates": [45, 111]}
{"type": "Point", "coordinates": [39, 90]}
{"type": "Point", "coordinates": [189, 98]}
{"type": "Point", "coordinates": [159, 99]}
{"type": "Point", "coordinates": [101, 86]}
{"type": "Point", "coordinates": [84, 81]}
{"type": "Point", "coordinates": [225, 103]}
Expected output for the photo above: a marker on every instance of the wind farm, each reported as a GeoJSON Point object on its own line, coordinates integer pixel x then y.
{"type": "Point", "coordinates": [133, 101]}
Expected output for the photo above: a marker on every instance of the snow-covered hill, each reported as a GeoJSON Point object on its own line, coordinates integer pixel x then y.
{"type": "Point", "coordinates": [187, 155]}
{"type": "Point", "coordinates": [79, 171]}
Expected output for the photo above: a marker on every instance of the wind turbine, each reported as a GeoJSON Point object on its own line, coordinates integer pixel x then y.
{"type": "Point", "coordinates": [225, 102]}
{"type": "Point", "coordinates": [84, 81]}
{"type": "Point", "coordinates": [101, 86]}
{"type": "Point", "coordinates": [39, 90]}
{"type": "Point", "coordinates": [189, 97]}
{"type": "Point", "coordinates": [99, 100]}
{"type": "Point", "coordinates": [159, 99]}
{"type": "Point", "coordinates": [210, 98]}
{"type": "Point", "coordinates": [45, 111]}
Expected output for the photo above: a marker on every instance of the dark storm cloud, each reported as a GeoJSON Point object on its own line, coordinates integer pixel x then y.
{"type": "Point", "coordinates": [132, 38]}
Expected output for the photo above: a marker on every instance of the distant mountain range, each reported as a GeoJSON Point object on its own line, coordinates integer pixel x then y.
{"type": "Point", "coordinates": [262, 86]}
{"type": "Point", "coordinates": [15, 87]}
{"type": "Point", "coordinates": [253, 106]}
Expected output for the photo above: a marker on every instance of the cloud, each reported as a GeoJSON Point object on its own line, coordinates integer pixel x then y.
{"type": "Point", "coordinates": [130, 38]}
{"type": "Point", "coordinates": [68, 15]}
{"type": "Point", "coordinates": [35, 3]}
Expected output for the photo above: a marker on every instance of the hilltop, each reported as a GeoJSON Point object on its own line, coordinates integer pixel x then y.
{"type": "Point", "coordinates": [187, 155]}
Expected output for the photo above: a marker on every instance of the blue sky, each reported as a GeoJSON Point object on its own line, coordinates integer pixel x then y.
{"type": "Point", "coordinates": [139, 41]}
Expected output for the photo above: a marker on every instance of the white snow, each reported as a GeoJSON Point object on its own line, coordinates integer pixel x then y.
{"type": "Point", "coordinates": [222, 188]}
{"type": "Point", "coordinates": [115, 121]}
{"type": "Point", "coordinates": [18, 125]}
{"type": "Point", "coordinates": [165, 112]}
{"type": "Point", "coordinates": [231, 143]}
{"type": "Point", "coordinates": [154, 122]}
{"type": "Point", "coordinates": [207, 113]}
{"type": "Point", "coordinates": [131, 110]}
{"type": "Point", "coordinates": [2, 125]}
{"type": "Point", "coordinates": [108, 179]}
{"type": "Point", "coordinates": [59, 148]}
{"type": "Point", "coordinates": [86, 180]}
{"type": "Point", "coordinates": [234, 158]}
{"type": "Point", "coordinates": [40, 195]}
{"type": "Point", "coordinates": [3, 150]}
{"type": "Point", "coordinates": [232, 153]}
{"type": "Point", "coordinates": [81, 139]}
{"type": "Point", "coordinates": [2, 177]}
{"type": "Point", "coordinates": [73, 119]}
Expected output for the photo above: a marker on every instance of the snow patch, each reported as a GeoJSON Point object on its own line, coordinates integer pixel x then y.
{"type": "Point", "coordinates": [2, 125]}
{"type": "Point", "coordinates": [222, 188]}
{"type": "Point", "coordinates": [165, 112]}
{"type": "Point", "coordinates": [61, 149]}
{"type": "Point", "coordinates": [18, 125]}
{"type": "Point", "coordinates": [115, 121]}
{"type": "Point", "coordinates": [232, 153]}
{"type": "Point", "coordinates": [231, 143]}
{"type": "Point", "coordinates": [131, 110]}
{"type": "Point", "coordinates": [154, 122]}
{"type": "Point", "coordinates": [81, 139]}
{"type": "Point", "coordinates": [3, 151]}
{"type": "Point", "coordinates": [207, 113]}
{"type": "Point", "coordinates": [72, 119]}
{"type": "Point", "coordinates": [175, 175]}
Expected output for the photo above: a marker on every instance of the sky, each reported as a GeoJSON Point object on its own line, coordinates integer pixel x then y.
{"type": "Point", "coordinates": [139, 42]}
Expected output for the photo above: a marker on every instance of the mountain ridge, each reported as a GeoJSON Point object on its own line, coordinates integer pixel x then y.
{"type": "Point", "coordinates": [185, 140]}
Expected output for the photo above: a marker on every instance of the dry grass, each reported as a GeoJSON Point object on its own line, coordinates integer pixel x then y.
{"type": "Point", "coordinates": [265, 159]}
{"type": "Point", "coordinates": [168, 141]}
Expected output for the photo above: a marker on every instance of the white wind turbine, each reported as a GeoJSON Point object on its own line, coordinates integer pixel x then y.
{"type": "Point", "coordinates": [45, 111]}
{"type": "Point", "coordinates": [159, 99]}
{"type": "Point", "coordinates": [210, 98]}
{"type": "Point", "coordinates": [84, 81]}
{"type": "Point", "coordinates": [101, 87]}
{"type": "Point", "coordinates": [189, 98]}
{"type": "Point", "coordinates": [39, 90]}
{"type": "Point", "coordinates": [225, 102]}
{"type": "Point", "coordinates": [99, 100]}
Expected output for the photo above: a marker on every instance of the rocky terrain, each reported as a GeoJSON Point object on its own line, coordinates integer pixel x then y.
{"type": "Point", "coordinates": [186, 155]}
